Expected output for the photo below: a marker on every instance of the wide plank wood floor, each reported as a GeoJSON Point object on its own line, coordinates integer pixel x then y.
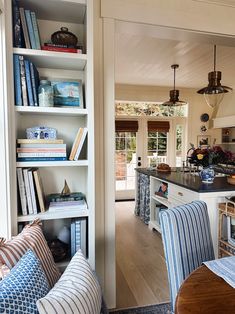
{"type": "Point", "coordinates": [141, 273]}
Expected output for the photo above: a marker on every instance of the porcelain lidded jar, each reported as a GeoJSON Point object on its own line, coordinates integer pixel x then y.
{"type": "Point", "coordinates": [207, 175]}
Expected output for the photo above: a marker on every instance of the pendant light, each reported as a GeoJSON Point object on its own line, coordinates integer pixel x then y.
{"type": "Point", "coordinates": [174, 93]}
{"type": "Point", "coordinates": [214, 92]}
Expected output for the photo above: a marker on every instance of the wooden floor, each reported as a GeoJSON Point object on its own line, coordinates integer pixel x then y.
{"type": "Point", "coordinates": [141, 273]}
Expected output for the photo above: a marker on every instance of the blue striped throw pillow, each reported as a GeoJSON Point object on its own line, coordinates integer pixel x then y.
{"type": "Point", "coordinates": [77, 291]}
{"type": "Point", "coordinates": [25, 284]}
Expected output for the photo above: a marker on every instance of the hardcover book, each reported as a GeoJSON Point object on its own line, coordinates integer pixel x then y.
{"type": "Point", "coordinates": [28, 81]}
{"type": "Point", "coordinates": [23, 81]}
{"type": "Point", "coordinates": [36, 31]}
{"type": "Point", "coordinates": [35, 82]}
{"type": "Point", "coordinates": [30, 29]}
{"type": "Point", "coordinates": [25, 29]}
{"type": "Point", "coordinates": [22, 191]}
{"type": "Point", "coordinates": [39, 189]}
{"type": "Point", "coordinates": [17, 81]}
{"type": "Point", "coordinates": [68, 93]}
{"type": "Point", "coordinates": [18, 40]}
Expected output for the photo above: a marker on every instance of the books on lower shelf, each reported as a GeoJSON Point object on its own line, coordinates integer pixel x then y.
{"type": "Point", "coordinates": [78, 235]}
{"type": "Point", "coordinates": [26, 81]}
{"type": "Point", "coordinates": [73, 201]}
{"type": "Point", "coordinates": [31, 194]}
{"type": "Point", "coordinates": [44, 150]}
{"type": "Point", "coordinates": [78, 144]}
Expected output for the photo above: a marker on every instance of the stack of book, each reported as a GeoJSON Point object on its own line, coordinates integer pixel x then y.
{"type": "Point", "coordinates": [78, 144]}
{"type": "Point", "coordinates": [62, 48]}
{"type": "Point", "coordinates": [26, 82]}
{"type": "Point", "coordinates": [41, 150]}
{"type": "Point", "coordinates": [78, 235]}
{"type": "Point", "coordinates": [74, 201]}
{"type": "Point", "coordinates": [31, 192]}
{"type": "Point", "coordinates": [25, 28]}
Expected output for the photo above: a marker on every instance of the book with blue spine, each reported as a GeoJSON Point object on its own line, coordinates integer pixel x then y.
{"type": "Point", "coordinates": [28, 82]}
{"type": "Point", "coordinates": [35, 82]}
{"type": "Point", "coordinates": [72, 237]}
{"type": "Point", "coordinates": [36, 30]}
{"type": "Point", "coordinates": [23, 81]}
{"type": "Point", "coordinates": [18, 39]}
{"type": "Point", "coordinates": [17, 82]}
{"type": "Point", "coordinates": [41, 158]}
{"type": "Point", "coordinates": [30, 28]}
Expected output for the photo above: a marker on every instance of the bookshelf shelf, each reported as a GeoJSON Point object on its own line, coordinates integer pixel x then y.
{"type": "Point", "coordinates": [72, 11]}
{"type": "Point", "coordinates": [60, 214]}
{"type": "Point", "coordinates": [54, 59]}
{"type": "Point", "coordinates": [51, 111]}
{"type": "Point", "coordinates": [65, 163]}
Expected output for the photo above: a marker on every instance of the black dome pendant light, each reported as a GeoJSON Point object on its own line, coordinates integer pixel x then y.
{"type": "Point", "coordinates": [174, 93]}
{"type": "Point", "coordinates": [214, 92]}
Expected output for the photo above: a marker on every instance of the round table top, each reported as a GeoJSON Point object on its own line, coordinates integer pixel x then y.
{"type": "Point", "coordinates": [205, 292]}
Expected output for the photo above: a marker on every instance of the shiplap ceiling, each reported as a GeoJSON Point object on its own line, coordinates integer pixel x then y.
{"type": "Point", "coordinates": [144, 59]}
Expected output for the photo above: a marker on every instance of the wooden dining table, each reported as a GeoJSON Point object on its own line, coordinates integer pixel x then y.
{"type": "Point", "coordinates": [204, 292]}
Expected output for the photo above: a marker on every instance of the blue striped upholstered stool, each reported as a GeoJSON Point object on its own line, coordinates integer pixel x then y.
{"type": "Point", "coordinates": [187, 241]}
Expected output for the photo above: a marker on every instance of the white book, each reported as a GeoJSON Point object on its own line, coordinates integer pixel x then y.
{"type": "Point", "coordinates": [43, 145]}
{"type": "Point", "coordinates": [27, 189]}
{"type": "Point", "coordinates": [84, 134]}
{"type": "Point", "coordinates": [23, 155]}
{"type": "Point", "coordinates": [22, 192]}
{"type": "Point", "coordinates": [32, 191]}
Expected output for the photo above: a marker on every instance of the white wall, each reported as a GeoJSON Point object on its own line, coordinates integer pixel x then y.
{"type": "Point", "coordinates": [183, 14]}
{"type": "Point", "coordinates": [196, 102]}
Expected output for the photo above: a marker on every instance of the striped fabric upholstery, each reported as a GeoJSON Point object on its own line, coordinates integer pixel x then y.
{"type": "Point", "coordinates": [187, 241]}
{"type": "Point", "coordinates": [77, 291]}
{"type": "Point", "coordinates": [30, 238]}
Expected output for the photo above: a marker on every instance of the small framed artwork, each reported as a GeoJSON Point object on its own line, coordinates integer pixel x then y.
{"type": "Point", "coordinates": [68, 93]}
{"type": "Point", "coordinates": [203, 140]}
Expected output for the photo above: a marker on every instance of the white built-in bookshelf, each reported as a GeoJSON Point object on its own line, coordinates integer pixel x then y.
{"type": "Point", "coordinates": [51, 15]}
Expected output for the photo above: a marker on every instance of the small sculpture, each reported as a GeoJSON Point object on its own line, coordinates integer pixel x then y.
{"type": "Point", "coordinates": [66, 190]}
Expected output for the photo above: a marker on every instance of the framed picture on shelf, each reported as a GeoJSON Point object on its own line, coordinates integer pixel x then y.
{"type": "Point", "coordinates": [203, 140]}
{"type": "Point", "coordinates": [68, 93]}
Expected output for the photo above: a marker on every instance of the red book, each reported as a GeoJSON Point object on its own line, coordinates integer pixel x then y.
{"type": "Point", "coordinates": [59, 49]}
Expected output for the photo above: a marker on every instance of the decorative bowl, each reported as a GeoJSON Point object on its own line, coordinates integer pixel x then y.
{"type": "Point", "coordinates": [41, 132]}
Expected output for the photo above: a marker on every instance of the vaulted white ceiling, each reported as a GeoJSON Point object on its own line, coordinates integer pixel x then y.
{"type": "Point", "coordinates": [144, 59]}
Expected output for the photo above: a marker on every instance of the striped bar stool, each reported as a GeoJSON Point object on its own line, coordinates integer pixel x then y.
{"type": "Point", "coordinates": [187, 242]}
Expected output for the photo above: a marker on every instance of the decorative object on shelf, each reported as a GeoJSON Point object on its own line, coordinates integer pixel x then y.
{"type": "Point", "coordinates": [214, 92]}
{"type": "Point", "coordinates": [204, 117]}
{"type": "Point", "coordinates": [58, 249]}
{"type": "Point", "coordinates": [207, 174]}
{"type": "Point", "coordinates": [41, 132]}
{"type": "Point", "coordinates": [203, 140]}
{"type": "Point", "coordinates": [45, 94]}
{"type": "Point", "coordinates": [64, 37]}
{"type": "Point", "coordinates": [163, 190]}
{"type": "Point", "coordinates": [68, 93]}
{"type": "Point", "coordinates": [203, 129]}
{"type": "Point", "coordinates": [174, 93]}
{"type": "Point", "coordinates": [66, 190]}
{"type": "Point", "coordinates": [64, 235]}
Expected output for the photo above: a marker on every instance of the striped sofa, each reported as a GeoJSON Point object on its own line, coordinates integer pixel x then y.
{"type": "Point", "coordinates": [187, 242]}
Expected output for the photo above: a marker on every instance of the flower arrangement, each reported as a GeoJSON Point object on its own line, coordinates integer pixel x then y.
{"type": "Point", "coordinates": [210, 156]}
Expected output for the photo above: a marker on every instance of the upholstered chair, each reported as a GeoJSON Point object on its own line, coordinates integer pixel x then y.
{"type": "Point", "coordinates": [187, 242]}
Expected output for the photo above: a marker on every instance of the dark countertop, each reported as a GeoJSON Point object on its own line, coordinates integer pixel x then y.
{"type": "Point", "coordinates": [190, 181]}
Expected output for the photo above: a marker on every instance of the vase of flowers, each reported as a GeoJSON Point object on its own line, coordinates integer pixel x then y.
{"type": "Point", "coordinates": [207, 158]}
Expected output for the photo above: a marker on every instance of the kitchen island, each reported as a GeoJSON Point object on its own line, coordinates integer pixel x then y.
{"type": "Point", "coordinates": [158, 191]}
